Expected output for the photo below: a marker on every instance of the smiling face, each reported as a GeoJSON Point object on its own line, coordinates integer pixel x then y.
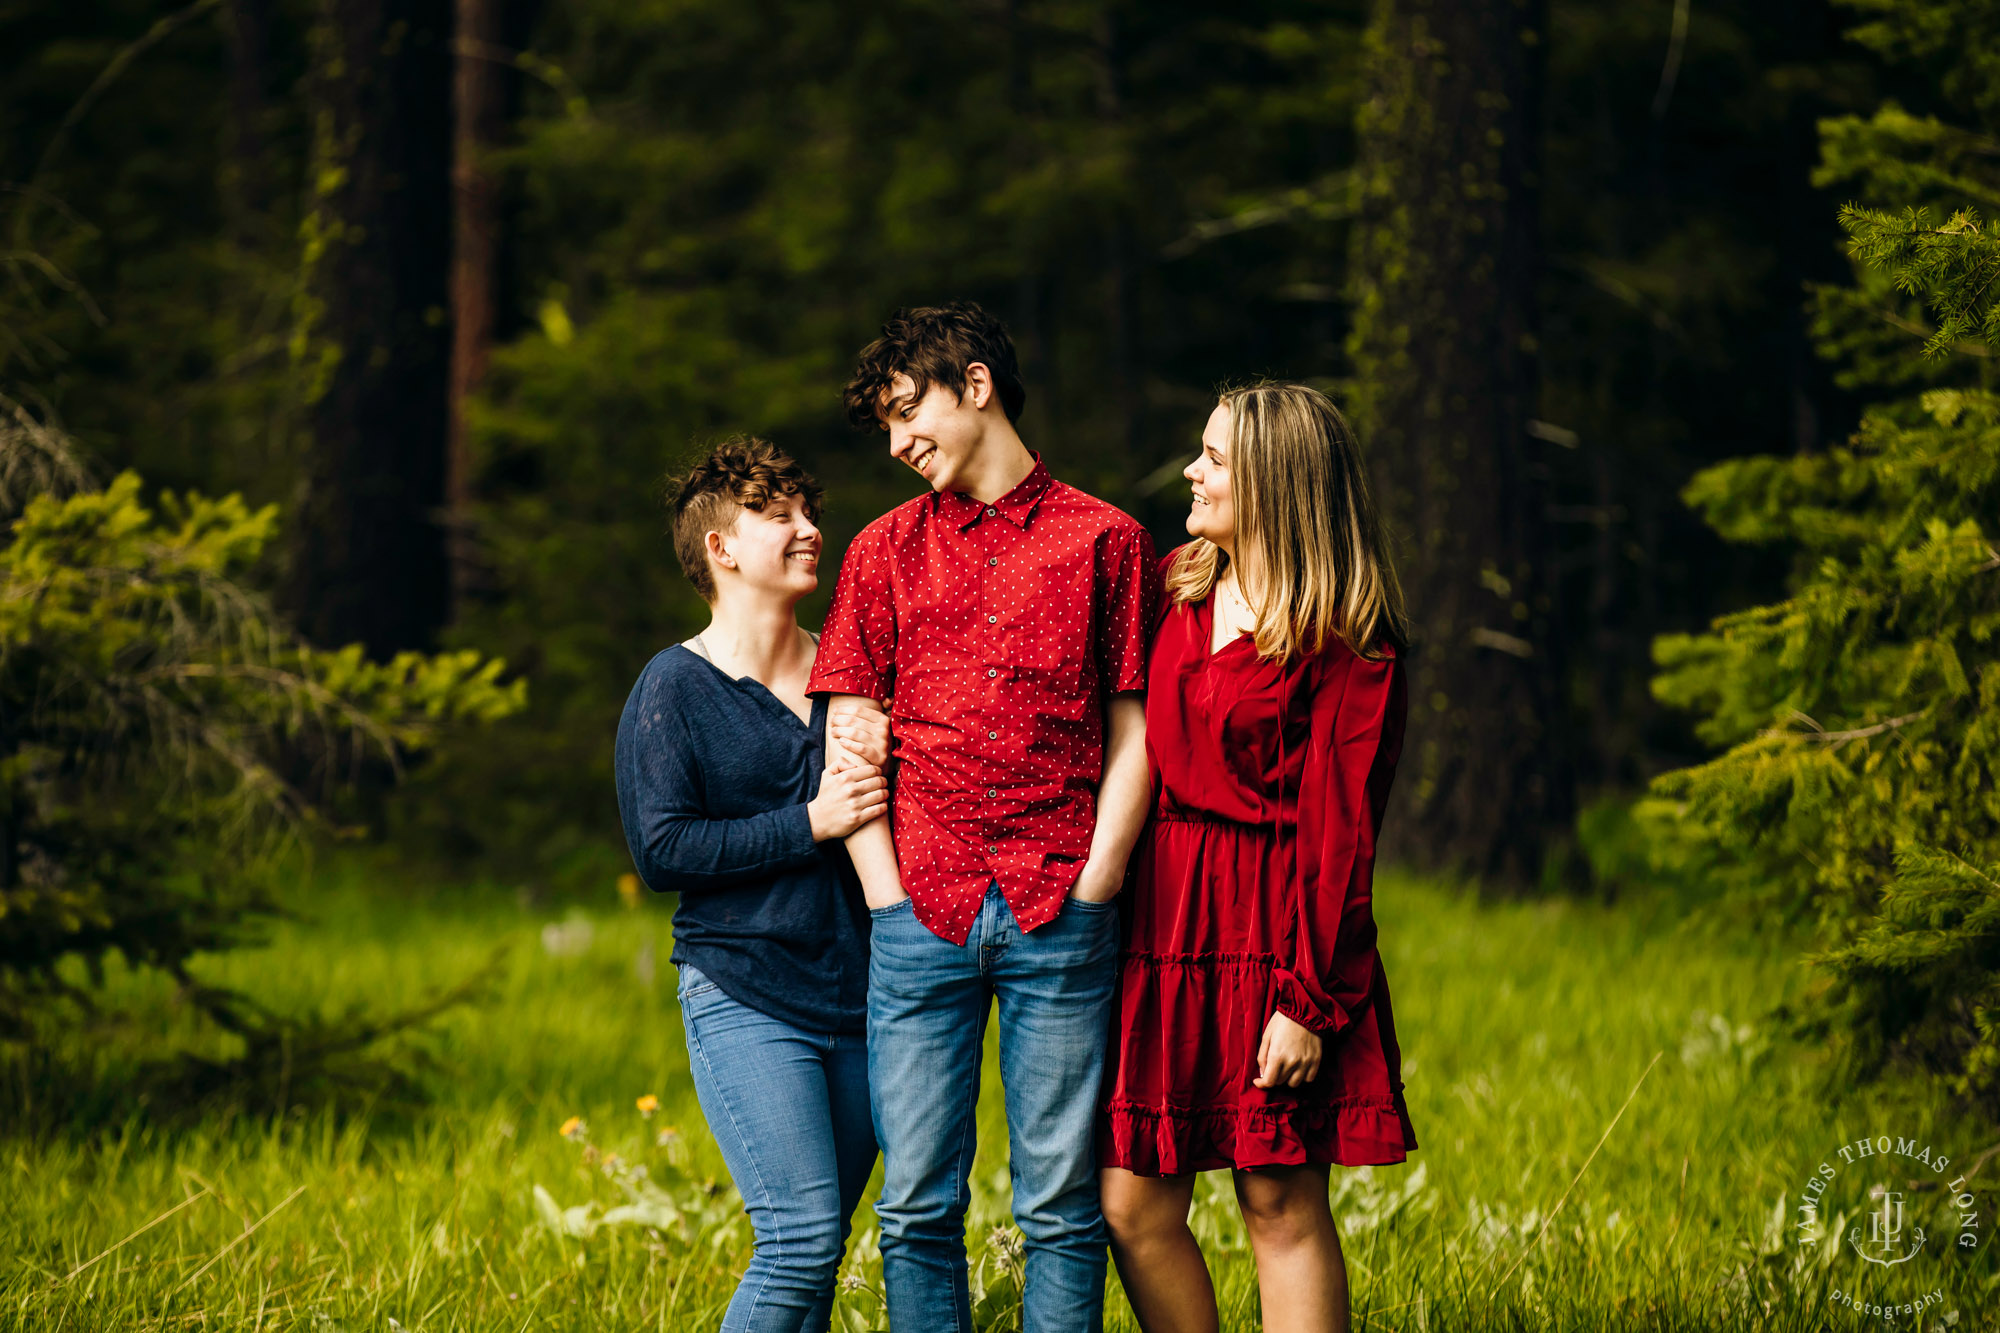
{"type": "Point", "coordinates": [938, 434]}
{"type": "Point", "coordinates": [770, 550]}
{"type": "Point", "coordinates": [1213, 512]}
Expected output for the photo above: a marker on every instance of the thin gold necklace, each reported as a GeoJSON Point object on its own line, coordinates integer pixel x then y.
{"type": "Point", "coordinates": [1229, 591]}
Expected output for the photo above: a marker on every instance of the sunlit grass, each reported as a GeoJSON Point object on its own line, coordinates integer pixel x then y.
{"type": "Point", "coordinates": [1525, 1028]}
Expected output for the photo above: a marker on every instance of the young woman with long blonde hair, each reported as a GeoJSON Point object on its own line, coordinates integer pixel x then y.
{"type": "Point", "coordinates": [1254, 1029]}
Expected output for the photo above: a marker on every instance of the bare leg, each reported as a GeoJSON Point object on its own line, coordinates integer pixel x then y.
{"type": "Point", "coordinates": [1301, 1277]}
{"type": "Point", "coordinates": [1158, 1260]}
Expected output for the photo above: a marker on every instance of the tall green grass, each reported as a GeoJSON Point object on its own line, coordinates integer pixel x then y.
{"type": "Point", "coordinates": [1525, 1028]}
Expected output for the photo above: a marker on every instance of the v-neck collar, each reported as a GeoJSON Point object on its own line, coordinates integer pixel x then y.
{"type": "Point", "coordinates": [1205, 619]}
{"type": "Point", "coordinates": [761, 693]}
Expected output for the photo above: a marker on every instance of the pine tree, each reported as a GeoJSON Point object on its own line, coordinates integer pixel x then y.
{"type": "Point", "coordinates": [161, 730]}
{"type": "Point", "coordinates": [1861, 782]}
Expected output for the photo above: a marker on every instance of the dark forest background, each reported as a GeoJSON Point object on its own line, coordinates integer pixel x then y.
{"type": "Point", "coordinates": [454, 287]}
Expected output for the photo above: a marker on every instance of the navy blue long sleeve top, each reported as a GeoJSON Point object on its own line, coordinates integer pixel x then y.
{"type": "Point", "coordinates": [714, 774]}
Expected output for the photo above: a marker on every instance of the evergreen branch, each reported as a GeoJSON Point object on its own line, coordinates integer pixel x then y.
{"type": "Point", "coordinates": [288, 684]}
{"type": "Point", "coordinates": [63, 281]}
{"type": "Point", "coordinates": [34, 458]}
{"type": "Point", "coordinates": [1839, 738]}
{"type": "Point", "coordinates": [1911, 326]}
{"type": "Point", "coordinates": [1594, 273]}
{"type": "Point", "coordinates": [1319, 200]}
{"type": "Point", "coordinates": [532, 65]}
{"type": "Point", "coordinates": [1981, 1160]}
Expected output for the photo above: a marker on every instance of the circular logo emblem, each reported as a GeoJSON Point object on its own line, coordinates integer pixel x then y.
{"type": "Point", "coordinates": [1896, 1213]}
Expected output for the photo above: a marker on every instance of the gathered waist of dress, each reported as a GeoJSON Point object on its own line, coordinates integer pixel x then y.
{"type": "Point", "coordinates": [1175, 814]}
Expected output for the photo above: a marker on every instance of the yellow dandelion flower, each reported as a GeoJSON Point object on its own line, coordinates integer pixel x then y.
{"type": "Point", "coordinates": [648, 1104]}
{"type": "Point", "coordinates": [572, 1127]}
{"type": "Point", "coordinates": [628, 890]}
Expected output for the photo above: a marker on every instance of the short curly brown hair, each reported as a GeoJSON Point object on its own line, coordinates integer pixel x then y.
{"type": "Point", "coordinates": [740, 472]}
{"type": "Point", "coordinates": [934, 345]}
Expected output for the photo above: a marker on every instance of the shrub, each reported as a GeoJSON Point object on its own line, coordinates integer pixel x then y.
{"type": "Point", "coordinates": [162, 731]}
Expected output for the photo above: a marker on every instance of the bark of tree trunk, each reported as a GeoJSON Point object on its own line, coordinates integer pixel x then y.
{"type": "Point", "coordinates": [375, 338]}
{"type": "Point", "coordinates": [1445, 265]}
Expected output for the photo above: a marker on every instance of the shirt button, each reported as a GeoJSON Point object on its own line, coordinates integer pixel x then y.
{"type": "Point", "coordinates": [991, 848]}
{"type": "Point", "coordinates": [992, 620]}
{"type": "Point", "coordinates": [990, 511]}
{"type": "Point", "coordinates": [991, 673]}
{"type": "Point", "coordinates": [992, 559]}
{"type": "Point", "coordinates": [992, 791]}
{"type": "Point", "coordinates": [992, 735]}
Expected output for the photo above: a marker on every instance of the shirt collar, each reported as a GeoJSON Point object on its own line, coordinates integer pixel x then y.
{"type": "Point", "coordinates": [1016, 506]}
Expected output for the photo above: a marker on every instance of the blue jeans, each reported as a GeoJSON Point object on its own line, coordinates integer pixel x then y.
{"type": "Point", "coordinates": [789, 1109]}
{"type": "Point", "coordinates": [927, 1004]}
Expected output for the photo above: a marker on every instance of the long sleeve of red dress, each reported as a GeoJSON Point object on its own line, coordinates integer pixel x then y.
{"type": "Point", "coordinates": [1356, 734]}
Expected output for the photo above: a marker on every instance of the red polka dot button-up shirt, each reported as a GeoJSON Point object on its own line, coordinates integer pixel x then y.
{"type": "Point", "coordinates": [996, 632]}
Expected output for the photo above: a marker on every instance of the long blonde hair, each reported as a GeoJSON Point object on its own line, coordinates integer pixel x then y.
{"type": "Point", "coordinates": [1315, 564]}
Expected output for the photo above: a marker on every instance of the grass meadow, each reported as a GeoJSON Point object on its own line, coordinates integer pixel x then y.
{"type": "Point", "coordinates": [1525, 1029]}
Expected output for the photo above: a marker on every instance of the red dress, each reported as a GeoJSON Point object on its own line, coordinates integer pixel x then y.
{"type": "Point", "coordinates": [1251, 893]}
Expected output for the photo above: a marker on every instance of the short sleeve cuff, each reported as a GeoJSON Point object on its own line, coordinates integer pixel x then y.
{"type": "Point", "coordinates": [858, 681]}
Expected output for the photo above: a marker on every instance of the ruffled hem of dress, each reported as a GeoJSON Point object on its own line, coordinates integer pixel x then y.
{"type": "Point", "coordinates": [1170, 1141]}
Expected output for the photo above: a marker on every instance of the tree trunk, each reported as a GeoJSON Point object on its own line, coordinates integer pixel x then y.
{"type": "Point", "coordinates": [10, 802]}
{"type": "Point", "coordinates": [479, 101]}
{"type": "Point", "coordinates": [1121, 282]}
{"type": "Point", "coordinates": [1445, 269]}
{"type": "Point", "coordinates": [369, 564]}
{"type": "Point", "coordinates": [246, 189]}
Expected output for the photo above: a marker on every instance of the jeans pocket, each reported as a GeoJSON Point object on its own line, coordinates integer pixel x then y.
{"type": "Point", "coordinates": [1108, 905]}
{"type": "Point", "coordinates": [883, 913]}
{"type": "Point", "coordinates": [694, 982]}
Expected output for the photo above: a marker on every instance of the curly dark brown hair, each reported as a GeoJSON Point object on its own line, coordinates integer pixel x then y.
{"type": "Point", "coordinates": [742, 471]}
{"type": "Point", "coordinates": [934, 345]}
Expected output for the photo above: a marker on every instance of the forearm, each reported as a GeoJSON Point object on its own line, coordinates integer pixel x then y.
{"type": "Point", "coordinates": [872, 848]}
{"type": "Point", "coordinates": [1124, 795]}
{"type": "Point", "coordinates": [873, 851]}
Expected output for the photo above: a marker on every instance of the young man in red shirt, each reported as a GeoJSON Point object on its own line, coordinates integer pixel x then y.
{"type": "Point", "coordinates": [1003, 617]}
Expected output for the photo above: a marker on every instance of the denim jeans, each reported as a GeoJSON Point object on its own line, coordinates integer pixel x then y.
{"type": "Point", "coordinates": [927, 1006]}
{"type": "Point", "coordinates": [789, 1109]}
